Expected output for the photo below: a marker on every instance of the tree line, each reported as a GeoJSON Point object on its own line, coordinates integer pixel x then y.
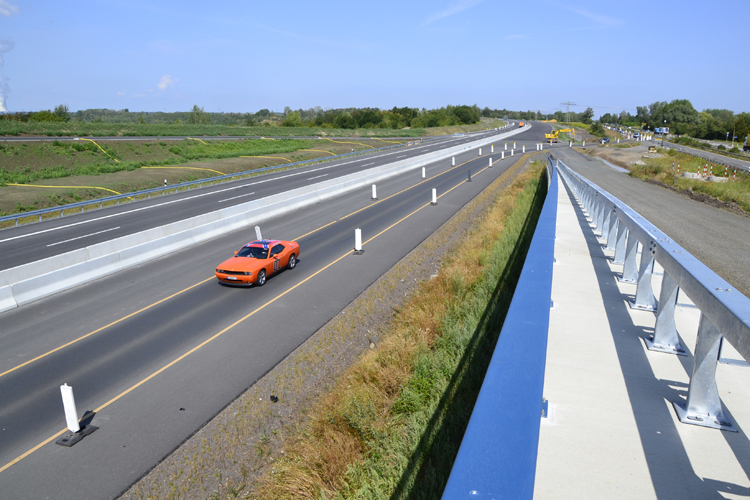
{"type": "Point", "coordinates": [343, 118]}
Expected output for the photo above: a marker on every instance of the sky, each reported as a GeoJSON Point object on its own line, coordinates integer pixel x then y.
{"type": "Point", "coordinates": [244, 56]}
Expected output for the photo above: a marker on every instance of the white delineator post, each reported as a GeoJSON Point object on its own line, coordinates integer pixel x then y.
{"type": "Point", "coordinates": [358, 241]}
{"type": "Point", "coordinates": [69, 403]}
{"type": "Point", "coordinates": [523, 148]}
{"type": "Point", "coordinates": [423, 173]}
{"type": "Point", "coordinates": [434, 197]}
{"type": "Point", "coordinates": [257, 233]}
{"type": "Point", "coordinates": [583, 144]}
{"type": "Point", "coordinates": [480, 151]}
{"type": "Point", "coordinates": [506, 146]}
{"type": "Point", "coordinates": [492, 148]}
{"type": "Point", "coordinates": [453, 161]}
{"type": "Point", "coordinates": [570, 144]}
{"type": "Point", "coordinates": [502, 155]}
{"type": "Point", "coordinates": [490, 162]}
{"type": "Point", "coordinates": [511, 152]}
{"type": "Point", "coordinates": [374, 192]}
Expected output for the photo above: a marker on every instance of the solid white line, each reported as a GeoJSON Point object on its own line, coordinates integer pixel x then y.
{"type": "Point", "coordinates": [317, 177]}
{"type": "Point", "coordinates": [402, 156]}
{"type": "Point", "coordinates": [368, 164]}
{"type": "Point", "coordinates": [235, 197]}
{"type": "Point", "coordinates": [86, 236]}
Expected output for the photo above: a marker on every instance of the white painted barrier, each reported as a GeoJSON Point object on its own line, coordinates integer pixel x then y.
{"type": "Point", "coordinates": [46, 277]}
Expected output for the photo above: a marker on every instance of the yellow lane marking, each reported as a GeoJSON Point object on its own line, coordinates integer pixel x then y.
{"type": "Point", "coordinates": [194, 139]}
{"type": "Point", "coordinates": [344, 142]}
{"type": "Point", "coordinates": [63, 187]}
{"type": "Point", "coordinates": [314, 231]}
{"type": "Point", "coordinates": [104, 327]}
{"type": "Point", "coordinates": [98, 146]}
{"type": "Point", "coordinates": [274, 157]}
{"type": "Point", "coordinates": [191, 168]}
{"type": "Point", "coordinates": [319, 151]}
{"type": "Point", "coordinates": [222, 332]}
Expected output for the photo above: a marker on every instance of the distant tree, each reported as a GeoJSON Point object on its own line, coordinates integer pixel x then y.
{"type": "Point", "coordinates": [293, 119]}
{"type": "Point", "coordinates": [198, 117]}
{"type": "Point", "coordinates": [263, 112]}
{"type": "Point", "coordinates": [597, 129]}
{"type": "Point", "coordinates": [678, 111]}
{"type": "Point", "coordinates": [287, 110]}
{"type": "Point", "coordinates": [740, 129]}
{"type": "Point", "coordinates": [587, 115]}
{"type": "Point", "coordinates": [62, 112]}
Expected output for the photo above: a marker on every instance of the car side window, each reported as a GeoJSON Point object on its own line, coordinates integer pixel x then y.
{"type": "Point", "coordinates": [277, 249]}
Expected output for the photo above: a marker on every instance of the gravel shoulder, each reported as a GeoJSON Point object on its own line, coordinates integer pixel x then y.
{"type": "Point", "coordinates": [717, 237]}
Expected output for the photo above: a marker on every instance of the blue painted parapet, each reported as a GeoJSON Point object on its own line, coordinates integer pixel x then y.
{"type": "Point", "coordinates": [497, 458]}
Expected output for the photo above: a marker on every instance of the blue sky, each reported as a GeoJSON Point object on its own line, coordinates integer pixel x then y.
{"type": "Point", "coordinates": [244, 56]}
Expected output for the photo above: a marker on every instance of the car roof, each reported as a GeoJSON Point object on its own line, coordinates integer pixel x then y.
{"type": "Point", "coordinates": [263, 243]}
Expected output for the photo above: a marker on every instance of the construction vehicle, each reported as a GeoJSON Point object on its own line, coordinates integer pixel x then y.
{"type": "Point", "coordinates": [554, 136]}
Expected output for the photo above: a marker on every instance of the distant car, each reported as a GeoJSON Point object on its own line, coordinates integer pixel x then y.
{"type": "Point", "coordinates": [255, 262]}
{"type": "Point", "coordinates": [603, 140]}
{"type": "Point", "coordinates": [636, 135]}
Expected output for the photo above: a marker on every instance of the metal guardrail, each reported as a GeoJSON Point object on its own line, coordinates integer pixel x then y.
{"type": "Point", "coordinates": [188, 185]}
{"type": "Point", "coordinates": [497, 458]}
{"type": "Point", "coordinates": [725, 312]}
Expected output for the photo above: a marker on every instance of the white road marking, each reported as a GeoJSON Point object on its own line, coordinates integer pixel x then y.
{"type": "Point", "coordinates": [235, 197]}
{"type": "Point", "coordinates": [400, 156]}
{"type": "Point", "coordinates": [368, 164]}
{"type": "Point", "coordinates": [85, 236]}
{"type": "Point", "coordinates": [317, 177]}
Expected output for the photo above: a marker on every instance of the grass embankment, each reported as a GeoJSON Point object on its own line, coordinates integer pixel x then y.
{"type": "Point", "coordinates": [660, 169]}
{"type": "Point", "coordinates": [459, 129]}
{"type": "Point", "coordinates": [392, 426]}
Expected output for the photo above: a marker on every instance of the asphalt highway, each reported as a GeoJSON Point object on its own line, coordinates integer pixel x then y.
{"type": "Point", "coordinates": [157, 350]}
{"type": "Point", "coordinates": [32, 242]}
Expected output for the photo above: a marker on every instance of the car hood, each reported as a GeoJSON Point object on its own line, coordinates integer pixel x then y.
{"type": "Point", "coordinates": [241, 264]}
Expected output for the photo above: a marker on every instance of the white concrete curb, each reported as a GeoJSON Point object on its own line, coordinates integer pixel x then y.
{"type": "Point", "coordinates": [23, 284]}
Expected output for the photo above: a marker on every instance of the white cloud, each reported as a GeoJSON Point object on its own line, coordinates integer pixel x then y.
{"type": "Point", "coordinates": [455, 8]}
{"type": "Point", "coordinates": [166, 82]}
{"type": "Point", "coordinates": [138, 96]}
{"type": "Point", "coordinates": [6, 8]}
{"type": "Point", "coordinates": [120, 94]}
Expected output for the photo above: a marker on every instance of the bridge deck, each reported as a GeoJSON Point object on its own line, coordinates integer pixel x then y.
{"type": "Point", "coordinates": [611, 430]}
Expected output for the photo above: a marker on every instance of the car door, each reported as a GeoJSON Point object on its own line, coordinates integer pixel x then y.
{"type": "Point", "coordinates": [276, 255]}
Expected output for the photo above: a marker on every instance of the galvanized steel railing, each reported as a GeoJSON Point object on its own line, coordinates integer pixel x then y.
{"type": "Point", "coordinates": [725, 312]}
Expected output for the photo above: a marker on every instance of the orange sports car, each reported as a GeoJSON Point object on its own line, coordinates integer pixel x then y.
{"type": "Point", "coordinates": [257, 260]}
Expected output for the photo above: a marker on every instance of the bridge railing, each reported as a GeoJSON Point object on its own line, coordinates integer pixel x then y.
{"type": "Point", "coordinates": [725, 312]}
{"type": "Point", "coordinates": [497, 458]}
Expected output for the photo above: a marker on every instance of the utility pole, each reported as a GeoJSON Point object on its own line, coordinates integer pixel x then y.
{"type": "Point", "coordinates": [567, 109]}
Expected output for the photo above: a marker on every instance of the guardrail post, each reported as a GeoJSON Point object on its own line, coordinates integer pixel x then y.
{"type": "Point", "coordinates": [703, 405]}
{"type": "Point", "coordinates": [622, 238]}
{"type": "Point", "coordinates": [612, 230]}
{"type": "Point", "coordinates": [629, 268]}
{"type": "Point", "coordinates": [605, 217]}
{"type": "Point", "coordinates": [644, 294]}
{"type": "Point", "coordinates": [665, 338]}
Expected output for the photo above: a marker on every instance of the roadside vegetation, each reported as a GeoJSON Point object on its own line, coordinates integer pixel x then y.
{"type": "Point", "coordinates": [660, 169]}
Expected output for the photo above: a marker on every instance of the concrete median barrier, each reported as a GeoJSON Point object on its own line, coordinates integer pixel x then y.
{"type": "Point", "coordinates": [36, 280]}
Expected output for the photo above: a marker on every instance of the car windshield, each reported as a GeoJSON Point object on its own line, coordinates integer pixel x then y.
{"type": "Point", "coordinates": [253, 252]}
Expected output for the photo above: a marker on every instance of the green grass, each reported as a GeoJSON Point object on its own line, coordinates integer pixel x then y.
{"type": "Point", "coordinates": [25, 163]}
{"type": "Point", "coordinates": [661, 169]}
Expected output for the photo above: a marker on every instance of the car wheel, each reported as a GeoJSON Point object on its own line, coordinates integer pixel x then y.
{"type": "Point", "coordinates": [261, 279]}
{"type": "Point", "coordinates": [292, 262]}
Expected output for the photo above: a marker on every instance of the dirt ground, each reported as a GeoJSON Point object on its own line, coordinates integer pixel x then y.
{"type": "Point", "coordinates": [243, 439]}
